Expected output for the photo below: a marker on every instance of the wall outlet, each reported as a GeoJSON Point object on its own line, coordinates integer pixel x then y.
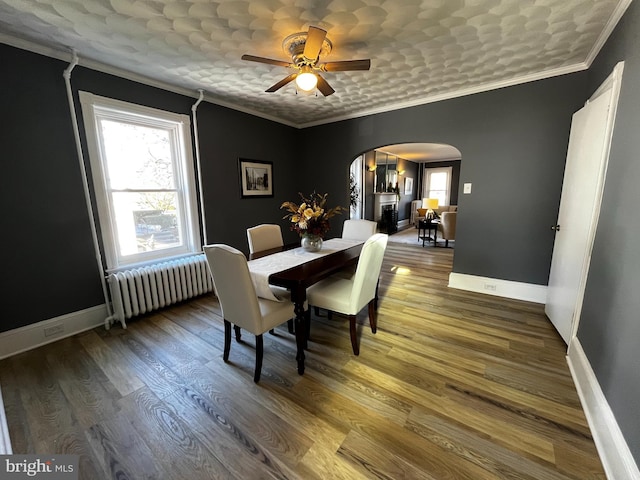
{"type": "Point", "coordinates": [53, 330]}
{"type": "Point", "coordinates": [466, 189]}
{"type": "Point", "coordinates": [490, 286]}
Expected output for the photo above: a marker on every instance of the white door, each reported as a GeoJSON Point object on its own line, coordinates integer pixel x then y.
{"type": "Point", "coordinates": [584, 173]}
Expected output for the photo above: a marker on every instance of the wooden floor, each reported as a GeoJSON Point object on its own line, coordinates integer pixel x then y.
{"type": "Point", "coordinates": [454, 385]}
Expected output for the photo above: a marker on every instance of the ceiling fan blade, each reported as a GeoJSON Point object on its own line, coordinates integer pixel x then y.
{"type": "Point", "coordinates": [281, 83]}
{"type": "Point", "coordinates": [347, 65]}
{"type": "Point", "coordinates": [313, 44]}
{"type": "Point", "coordinates": [324, 87]}
{"type": "Point", "coordinates": [253, 58]}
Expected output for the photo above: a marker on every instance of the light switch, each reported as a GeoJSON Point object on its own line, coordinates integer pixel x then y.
{"type": "Point", "coordinates": [467, 188]}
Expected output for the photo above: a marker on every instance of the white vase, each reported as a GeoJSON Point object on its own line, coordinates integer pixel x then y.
{"type": "Point", "coordinates": [311, 243]}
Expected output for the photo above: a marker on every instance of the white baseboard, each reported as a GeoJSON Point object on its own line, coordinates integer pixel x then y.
{"type": "Point", "coordinates": [31, 336]}
{"type": "Point", "coordinates": [502, 288]}
{"type": "Point", "coordinates": [617, 460]}
{"type": "Point", "coordinates": [403, 223]}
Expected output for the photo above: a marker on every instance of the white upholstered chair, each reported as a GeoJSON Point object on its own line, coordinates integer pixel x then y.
{"type": "Point", "coordinates": [358, 229]}
{"type": "Point", "coordinates": [239, 302]}
{"type": "Point", "coordinates": [350, 295]}
{"type": "Point", "coordinates": [354, 229]}
{"type": "Point", "coordinates": [263, 237]}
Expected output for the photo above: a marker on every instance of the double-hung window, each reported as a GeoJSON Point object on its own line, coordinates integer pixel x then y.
{"type": "Point", "coordinates": [142, 168]}
{"type": "Point", "coordinates": [438, 184]}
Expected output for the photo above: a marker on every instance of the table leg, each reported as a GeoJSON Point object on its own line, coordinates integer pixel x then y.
{"type": "Point", "coordinates": [299, 298]}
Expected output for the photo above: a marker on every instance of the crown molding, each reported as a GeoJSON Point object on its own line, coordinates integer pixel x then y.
{"type": "Point", "coordinates": [607, 30]}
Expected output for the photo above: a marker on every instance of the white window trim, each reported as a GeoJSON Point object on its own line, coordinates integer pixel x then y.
{"type": "Point", "coordinates": [427, 176]}
{"type": "Point", "coordinates": [185, 178]}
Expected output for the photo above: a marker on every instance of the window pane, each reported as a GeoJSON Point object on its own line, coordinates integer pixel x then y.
{"type": "Point", "coordinates": [441, 196]}
{"type": "Point", "coordinates": [137, 157]}
{"type": "Point", "coordinates": [438, 181]}
{"type": "Point", "coordinates": [146, 221]}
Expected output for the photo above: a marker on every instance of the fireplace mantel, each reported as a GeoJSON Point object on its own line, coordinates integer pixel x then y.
{"type": "Point", "coordinates": [383, 200]}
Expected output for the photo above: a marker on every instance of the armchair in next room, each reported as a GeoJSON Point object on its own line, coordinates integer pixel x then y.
{"type": "Point", "coordinates": [447, 227]}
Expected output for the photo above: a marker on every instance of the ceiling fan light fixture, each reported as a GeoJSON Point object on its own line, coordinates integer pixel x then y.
{"type": "Point", "coordinates": [306, 80]}
{"type": "Point", "coordinates": [306, 49]}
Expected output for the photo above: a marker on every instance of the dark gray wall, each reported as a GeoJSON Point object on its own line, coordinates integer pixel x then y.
{"type": "Point", "coordinates": [513, 143]}
{"type": "Point", "coordinates": [47, 251]}
{"type": "Point", "coordinates": [609, 328]}
{"type": "Point", "coordinates": [46, 241]}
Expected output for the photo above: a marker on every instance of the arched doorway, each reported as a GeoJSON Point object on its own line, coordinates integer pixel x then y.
{"type": "Point", "coordinates": [410, 172]}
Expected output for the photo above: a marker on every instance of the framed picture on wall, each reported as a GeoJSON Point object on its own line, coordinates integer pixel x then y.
{"type": "Point", "coordinates": [256, 178]}
{"type": "Point", "coordinates": [408, 186]}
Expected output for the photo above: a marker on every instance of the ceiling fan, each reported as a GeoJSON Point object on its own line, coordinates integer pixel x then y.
{"type": "Point", "coordinates": [305, 50]}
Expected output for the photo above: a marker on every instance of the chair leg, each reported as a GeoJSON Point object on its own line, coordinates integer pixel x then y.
{"type": "Point", "coordinates": [227, 340]}
{"type": "Point", "coordinates": [376, 297]}
{"type": "Point", "coordinates": [272, 331]}
{"type": "Point", "coordinates": [329, 314]}
{"type": "Point", "coordinates": [372, 316]}
{"type": "Point", "coordinates": [446, 243]}
{"type": "Point", "coordinates": [354, 336]}
{"type": "Point", "coordinates": [238, 334]}
{"type": "Point", "coordinates": [290, 325]}
{"type": "Point", "coordinates": [316, 310]}
{"type": "Point", "coordinates": [259, 350]}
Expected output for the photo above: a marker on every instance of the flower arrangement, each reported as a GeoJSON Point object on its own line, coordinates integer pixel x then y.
{"type": "Point", "coordinates": [310, 217]}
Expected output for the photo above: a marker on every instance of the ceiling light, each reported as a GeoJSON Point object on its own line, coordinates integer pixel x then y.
{"type": "Point", "coordinates": [306, 80]}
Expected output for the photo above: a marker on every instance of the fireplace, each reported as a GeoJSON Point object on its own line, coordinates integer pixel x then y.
{"type": "Point", "coordinates": [381, 201]}
{"type": "Point", "coordinates": [385, 209]}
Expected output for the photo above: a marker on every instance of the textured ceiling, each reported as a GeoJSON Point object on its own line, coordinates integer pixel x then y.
{"type": "Point", "coordinates": [420, 50]}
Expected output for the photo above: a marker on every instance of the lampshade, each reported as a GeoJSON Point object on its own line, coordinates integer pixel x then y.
{"type": "Point", "coordinates": [430, 203]}
{"type": "Point", "coordinates": [306, 80]}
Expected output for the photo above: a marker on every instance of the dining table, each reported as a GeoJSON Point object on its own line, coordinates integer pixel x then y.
{"type": "Point", "coordinates": [308, 268]}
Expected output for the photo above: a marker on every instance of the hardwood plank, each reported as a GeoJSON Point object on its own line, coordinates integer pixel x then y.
{"type": "Point", "coordinates": [173, 439]}
{"type": "Point", "coordinates": [116, 369]}
{"type": "Point", "coordinates": [229, 444]}
{"type": "Point", "coordinates": [120, 451]}
{"type": "Point", "coordinates": [45, 406]}
{"type": "Point", "coordinates": [394, 438]}
{"type": "Point", "coordinates": [272, 432]}
{"type": "Point", "coordinates": [86, 389]}
{"type": "Point", "coordinates": [375, 461]}
{"type": "Point", "coordinates": [502, 461]}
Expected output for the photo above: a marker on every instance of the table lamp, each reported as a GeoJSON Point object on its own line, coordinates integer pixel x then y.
{"type": "Point", "coordinates": [430, 204]}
